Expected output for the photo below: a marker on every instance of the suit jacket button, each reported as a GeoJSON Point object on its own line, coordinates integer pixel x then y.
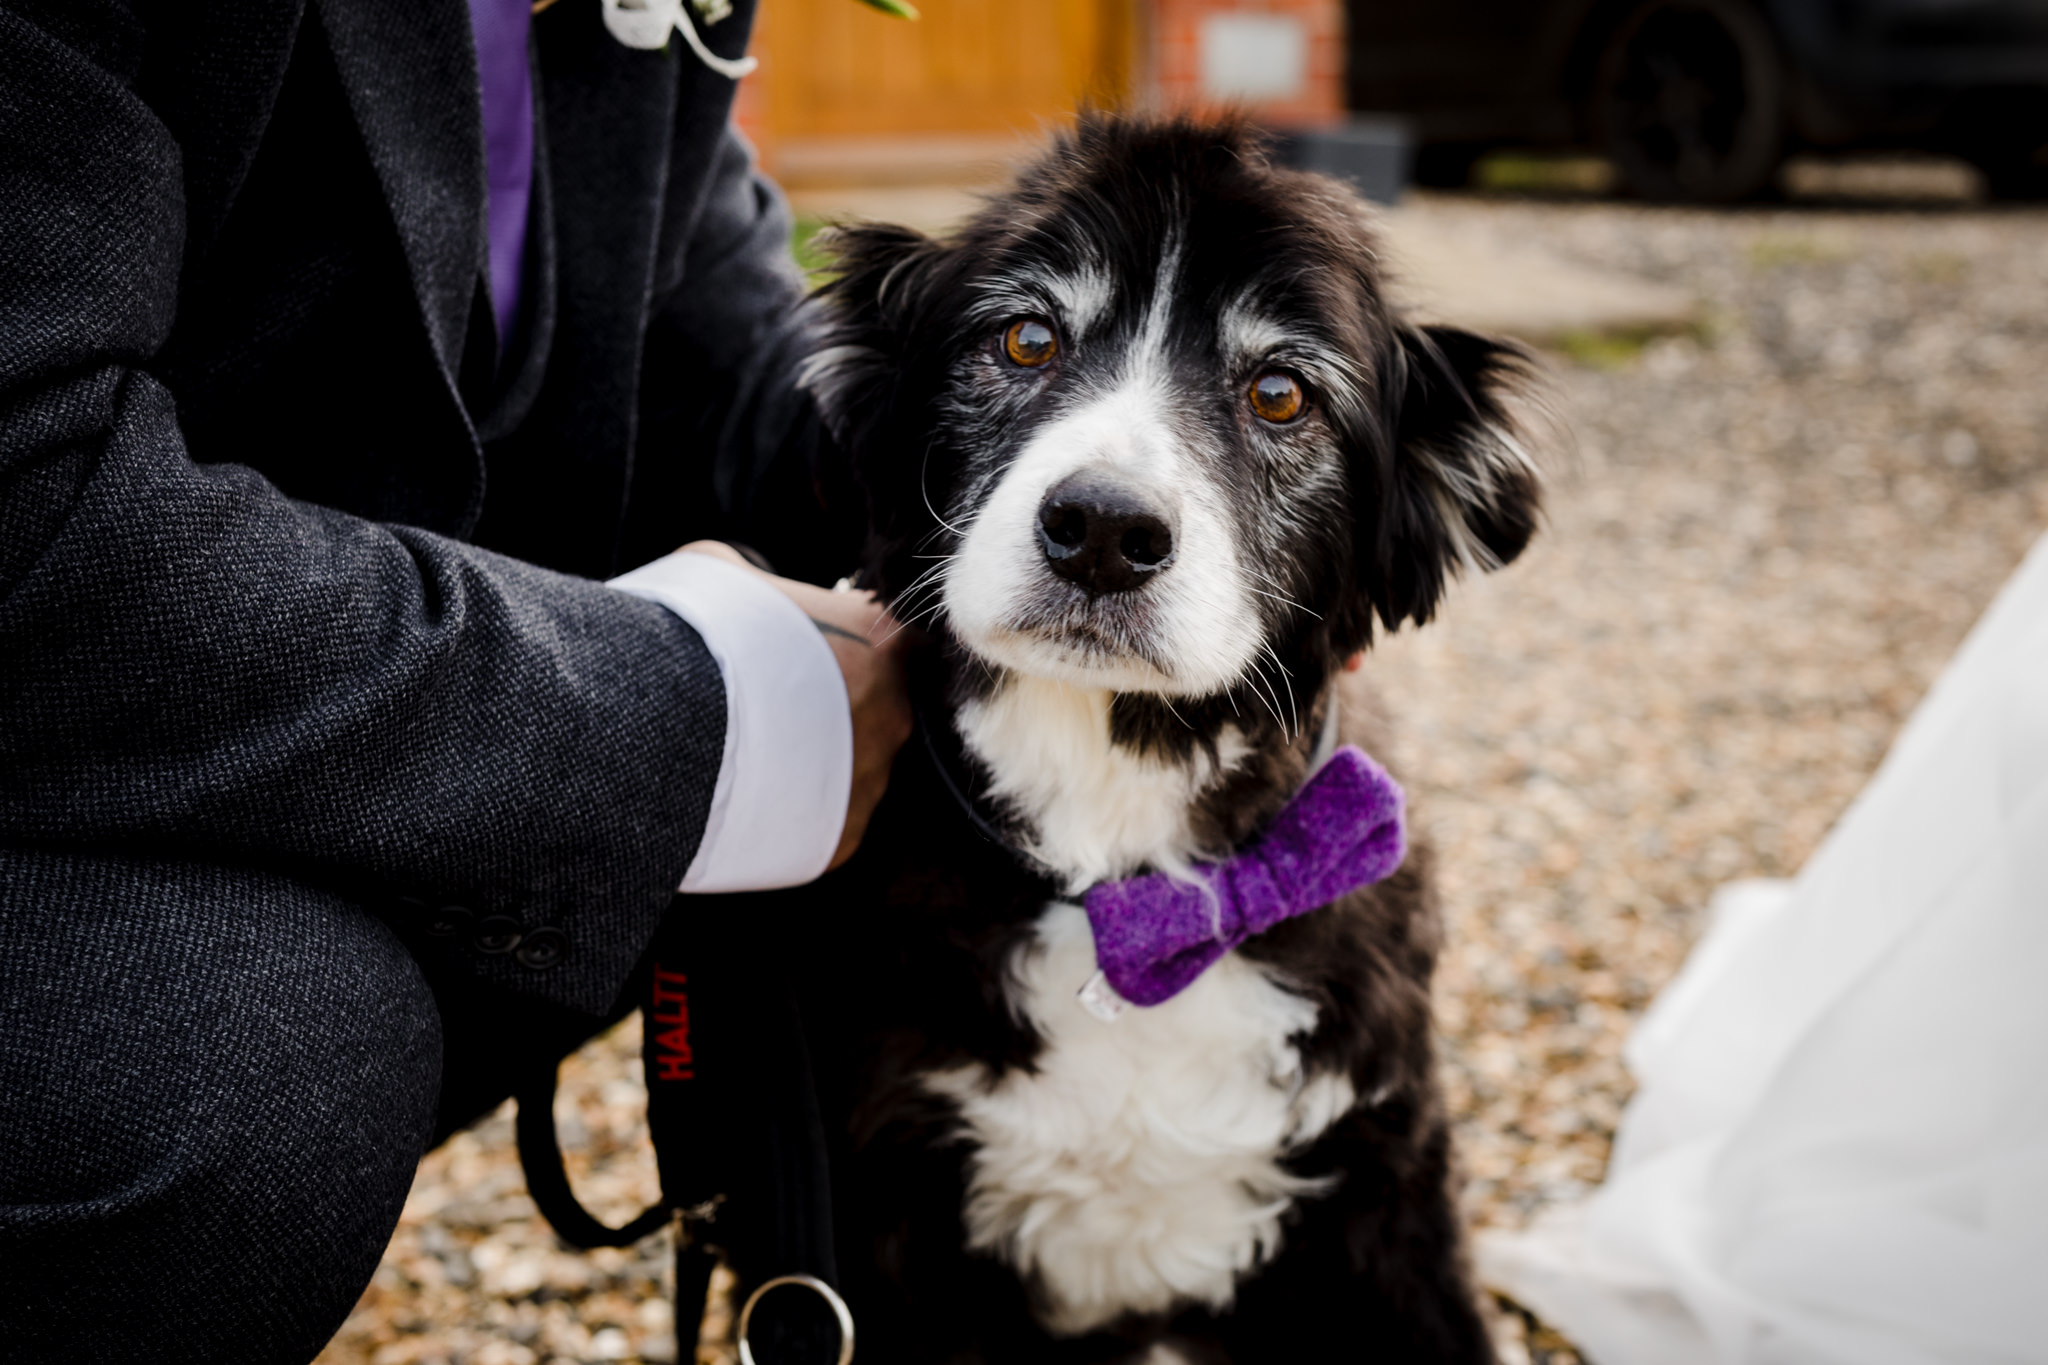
{"type": "Point", "coordinates": [448, 920]}
{"type": "Point", "coordinates": [496, 934]}
{"type": "Point", "coordinates": [543, 948]}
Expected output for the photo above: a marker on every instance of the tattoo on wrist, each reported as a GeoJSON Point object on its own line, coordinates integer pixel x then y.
{"type": "Point", "coordinates": [827, 628]}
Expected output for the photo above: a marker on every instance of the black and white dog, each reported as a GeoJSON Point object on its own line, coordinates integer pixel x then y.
{"type": "Point", "coordinates": [1148, 452]}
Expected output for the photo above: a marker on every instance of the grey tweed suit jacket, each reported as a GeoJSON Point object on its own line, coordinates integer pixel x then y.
{"type": "Point", "coordinates": [293, 571]}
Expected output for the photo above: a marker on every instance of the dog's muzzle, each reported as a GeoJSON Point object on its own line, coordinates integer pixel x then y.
{"type": "Point", "coordinates": [1103, 534]}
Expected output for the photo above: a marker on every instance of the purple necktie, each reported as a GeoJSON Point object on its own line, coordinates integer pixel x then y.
{"type": "Point", "coordinates": [1155, 934]}
{"type": "Point", "coordinates": [502, 28]}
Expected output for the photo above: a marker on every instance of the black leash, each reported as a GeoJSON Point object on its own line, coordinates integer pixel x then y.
{"type": "Point", "coordinates": [738, 1136]}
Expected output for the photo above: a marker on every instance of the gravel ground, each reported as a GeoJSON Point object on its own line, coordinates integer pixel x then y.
{"type": "Point", "coordinates": [1772, 531]}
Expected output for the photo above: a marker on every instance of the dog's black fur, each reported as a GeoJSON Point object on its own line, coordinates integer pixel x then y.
{"type": "Point", "coordinates": [911, 968]}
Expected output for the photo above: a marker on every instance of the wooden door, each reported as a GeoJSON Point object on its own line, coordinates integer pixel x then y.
{"type": "Point", "coordinates": [837, 69]}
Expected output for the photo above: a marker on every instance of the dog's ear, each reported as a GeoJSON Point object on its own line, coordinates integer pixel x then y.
{"type": "Point", "coordinates": [881, 347]}
{"type": "Point", "coordinates": [1450, 472]}
{"type": "Point", "coordinates": [873, 310]}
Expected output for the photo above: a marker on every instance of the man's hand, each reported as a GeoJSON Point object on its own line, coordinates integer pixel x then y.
{"type": "Point", "coordinates": [870, 646]}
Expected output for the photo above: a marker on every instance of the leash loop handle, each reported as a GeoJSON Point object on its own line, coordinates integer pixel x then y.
{"type": "Point", "coordinates": [547, 1178]}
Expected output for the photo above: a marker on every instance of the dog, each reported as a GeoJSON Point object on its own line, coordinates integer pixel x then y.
{"type": "Point", "coordinates": [1149, 455]}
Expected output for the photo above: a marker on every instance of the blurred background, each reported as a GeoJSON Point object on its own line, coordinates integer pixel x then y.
{"type": "Point", "coordinates": [1692, 100]}
{"type": "Point", "coordinates": [1791, 290]}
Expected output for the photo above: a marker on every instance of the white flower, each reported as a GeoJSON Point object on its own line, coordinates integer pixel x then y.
{"type": "Point", "coordinates": [642, 23]}
{"type": "Point", "coordinates": [646, 24]}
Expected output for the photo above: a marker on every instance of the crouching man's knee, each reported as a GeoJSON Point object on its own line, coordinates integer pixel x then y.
{"type": "Point", "coordinates": [214, 1091]}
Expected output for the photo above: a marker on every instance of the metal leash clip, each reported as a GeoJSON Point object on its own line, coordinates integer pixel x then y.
{"type": "Point", "coordinates": [816, 1286]}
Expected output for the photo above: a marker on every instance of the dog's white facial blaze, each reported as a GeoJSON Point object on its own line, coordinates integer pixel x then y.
{"type": "Point", "coordinates": [1201, 628]}
{"type": "Point", "coordinates": [1198, 615]}
{"type": "Point", "coordinates": [1083, 297]}
{"type": "Point", "coordinates": [1137, 1166]}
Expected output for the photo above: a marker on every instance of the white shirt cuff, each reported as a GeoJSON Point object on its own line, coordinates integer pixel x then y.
{"type": "Point", "coordinates": [780, 804]}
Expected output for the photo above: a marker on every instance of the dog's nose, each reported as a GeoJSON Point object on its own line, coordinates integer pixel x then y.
{"type": "Point", "coordinates": [1103, 534]}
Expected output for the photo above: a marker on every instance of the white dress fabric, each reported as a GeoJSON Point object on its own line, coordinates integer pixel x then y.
{"type": "Point", "coordinates": [1839, 1151]}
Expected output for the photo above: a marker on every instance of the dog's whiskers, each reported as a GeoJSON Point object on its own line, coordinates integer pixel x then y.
{"type": "Point", "coordinates": [925, 541]}
{"type": "Point", "coordinates": [1254, 683]}
{"type": "Point", "coordinates": [1278, 598]}
{"type": "Point", "coordinates": [1267, 578]}
{"type": "Point", "coordinates": [924, 493]}
{"type": "Point", "coordinates": [931, 583]}
{"type": "Point", "coordinates": [1267, 693]}
{"type": "Point", "coordinates": [1294, 714]}
{"type": "Point", "coordinates": [921, 583]}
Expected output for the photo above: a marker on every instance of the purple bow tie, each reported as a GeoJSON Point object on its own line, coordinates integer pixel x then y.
{"type": "Point", "coordinates": [1155, 934]}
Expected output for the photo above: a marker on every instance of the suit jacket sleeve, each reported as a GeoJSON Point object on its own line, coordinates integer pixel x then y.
{"type": "Point", "coordinates": [194, 665]}
{"type": "Point", "coordinates": [725, 344]}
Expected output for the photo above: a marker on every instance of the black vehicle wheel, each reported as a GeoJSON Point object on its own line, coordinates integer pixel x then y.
{"type": "Point", "coordinates": [2018, 177]}
{"type": "Point", "coordinates": [1445, 165]}
{"type": "Point", "coordinates": [2014, 157]}
{"type": "Point", "coordinates": [1689, 98]}
{"type": "Point", "coordinates": [2003, 131]}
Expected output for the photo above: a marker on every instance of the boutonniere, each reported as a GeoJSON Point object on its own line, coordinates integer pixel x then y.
{"type": "Point", "coordinates": [647, 24]}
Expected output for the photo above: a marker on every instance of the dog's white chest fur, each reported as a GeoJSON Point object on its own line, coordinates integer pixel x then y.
{"type": "Point", "coordinates": [1097, 811]}
{"type": "Point", "coordinates": [1138, 1167]}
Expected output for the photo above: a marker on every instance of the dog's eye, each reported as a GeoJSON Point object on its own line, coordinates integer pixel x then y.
{"type": "Point", "coordinates": [1276, 396]}
{"type": "Point", "coordinates": [1030, 343]}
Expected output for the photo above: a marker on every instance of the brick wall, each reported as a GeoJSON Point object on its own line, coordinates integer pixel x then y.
{"type": "Point", "coordinates": [1282, 60]}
